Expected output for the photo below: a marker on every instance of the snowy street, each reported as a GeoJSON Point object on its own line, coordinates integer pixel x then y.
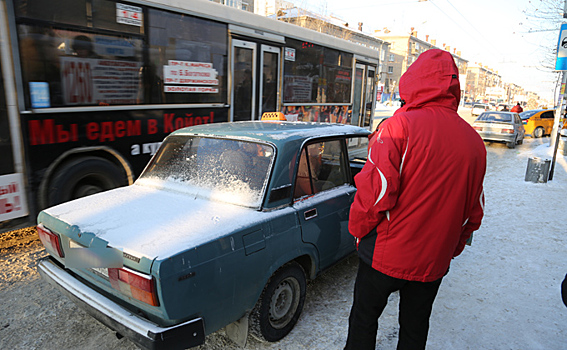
{"type": "Point", "coordinates": [503, 292]}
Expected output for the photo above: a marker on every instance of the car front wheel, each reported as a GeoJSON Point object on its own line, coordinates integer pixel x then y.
{"type": "Point", "coordinates": [280, 305]}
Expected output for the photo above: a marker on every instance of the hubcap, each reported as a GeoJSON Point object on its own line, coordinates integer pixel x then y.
{"type": "Point", "coordinates": [284, 303]}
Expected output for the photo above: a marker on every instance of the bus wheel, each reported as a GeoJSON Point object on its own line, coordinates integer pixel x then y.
{"type": "Point", "coordinates": [82, 177]}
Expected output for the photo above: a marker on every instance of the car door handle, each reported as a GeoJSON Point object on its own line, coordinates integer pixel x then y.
{"type": "Point", "coordinates": [310, 214]}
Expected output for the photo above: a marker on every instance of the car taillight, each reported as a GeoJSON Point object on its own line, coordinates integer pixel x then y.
{"type": "Point", "coordinates": [50, 240]}
{"type": "Point", "coordinates": [134, 284]}
{"type": "Point", "coordinates": [477, 128]}
{"type": "Point", "coordinates": [507, 131]}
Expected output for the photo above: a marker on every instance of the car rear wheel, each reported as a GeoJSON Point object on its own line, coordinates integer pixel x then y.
{"type": "Point", "coordinates": [538, 132]}
{"type": "Point", "coordinates": [280, 305]}
{"type": "Point", "coordinates": [511, 144]}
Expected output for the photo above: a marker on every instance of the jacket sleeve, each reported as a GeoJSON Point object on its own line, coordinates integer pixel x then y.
{"type": "Point", "coordinates": [379, 181]}
{"type": "Point", "coordinates": [472, 224]}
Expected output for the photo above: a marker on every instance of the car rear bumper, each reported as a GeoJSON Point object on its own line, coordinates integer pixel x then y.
{"type": "Point", "coordinates": [144, 333]}
{"type": "Point", "coordinates": [486, 136]}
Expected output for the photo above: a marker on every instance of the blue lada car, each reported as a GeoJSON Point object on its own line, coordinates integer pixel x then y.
{"type": "Point", "coordinates": [221, 230]}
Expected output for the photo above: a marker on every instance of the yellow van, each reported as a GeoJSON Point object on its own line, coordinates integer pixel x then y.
{"type": "Point", "coordinates": [538, 122]}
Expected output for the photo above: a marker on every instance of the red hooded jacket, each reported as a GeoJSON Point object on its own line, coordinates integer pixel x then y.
{"type": "Point", "coordinates": [420, 193]}
{"type": "Point", "coordinates": [517, 109]}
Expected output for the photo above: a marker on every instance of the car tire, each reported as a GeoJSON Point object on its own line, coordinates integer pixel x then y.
{"type": "Point", "coordinates": [511, 144]}
{"type": "Point", "coordinates": [538, 132]}
{"type": "Point", "coordinates": [82, 177]}
{"type": "Point", "coordinates": [280, 304]}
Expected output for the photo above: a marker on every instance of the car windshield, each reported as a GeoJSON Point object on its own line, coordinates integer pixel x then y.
{"type": "Point", "coordinates": [495, 117]}
{"type": "Point", "coordinates": [527, 114]}
{"type": "Point", "coordinates": [232, 171]}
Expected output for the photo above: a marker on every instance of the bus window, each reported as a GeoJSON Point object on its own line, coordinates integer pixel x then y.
{"type": "Point", "coordinates": [270, 71]}
{"type": "Point", "coordinates": [317, 75]}
{"type": "Point", "coordinates": [81, 68]}
{"type": "Point", "coordinates": [90, 67]}
{"type": "Point", "coordinates": [100, 14]}
{"type": "Point", "coordinates": [369, 93]}
{"type": "Point", "coordinates": [357, 95]}
{"type": "Point", "coordinates": [244, 61]}
{"type": "Point", "coordinates": [188, 59]}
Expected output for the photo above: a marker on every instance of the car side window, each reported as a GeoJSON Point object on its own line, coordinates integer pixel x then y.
{"type": "Point", "coordinates": [321, 167]}
{"type": "Point", "coordinates": [547, 115]}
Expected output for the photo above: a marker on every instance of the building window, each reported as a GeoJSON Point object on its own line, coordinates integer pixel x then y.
{"type": "Point", "coordinates": [391, 57]}
{"type": "Point", "coordinates": [318, 74]}
{"type": "Point", "coordinates": [390, 70]}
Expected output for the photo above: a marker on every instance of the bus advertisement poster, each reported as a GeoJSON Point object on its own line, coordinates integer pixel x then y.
{"type": "Point", "coordinates": [190, 73]}
{"type": "Point", "coordinates": [88, 81]}
{"type": "Point", "coordinates": [12, 197]}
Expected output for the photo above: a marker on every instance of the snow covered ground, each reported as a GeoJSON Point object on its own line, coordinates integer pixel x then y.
{"type": "Point", "coordinates": [503, 292]}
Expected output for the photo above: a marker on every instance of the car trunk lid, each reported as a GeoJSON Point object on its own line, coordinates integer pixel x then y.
{"type": "Point", "coordinates": [143, 223]}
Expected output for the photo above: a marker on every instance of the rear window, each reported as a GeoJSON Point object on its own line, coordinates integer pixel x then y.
{"type": "Point", "coordinates": [494, 117]}
{"type": "Point", "coordinates": [527, 114]}
{"type": "Point", "coordinates": [231, 171]}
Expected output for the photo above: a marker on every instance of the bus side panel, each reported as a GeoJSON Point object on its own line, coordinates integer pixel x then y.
{"type": "Point", "coordinates": [126, 138]}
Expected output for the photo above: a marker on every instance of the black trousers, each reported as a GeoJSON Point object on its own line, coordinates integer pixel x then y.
{"type": "Point", "coordinates": [371, 291]}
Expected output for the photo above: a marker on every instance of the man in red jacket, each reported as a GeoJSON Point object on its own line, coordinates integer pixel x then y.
{"type": "Point", "coordinates": [420, 197]}
{"type": "Point", "coordinates": [517, 108]}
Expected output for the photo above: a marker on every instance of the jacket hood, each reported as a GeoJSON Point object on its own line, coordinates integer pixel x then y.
{"type": "Point", "coordinates": [433, 79]}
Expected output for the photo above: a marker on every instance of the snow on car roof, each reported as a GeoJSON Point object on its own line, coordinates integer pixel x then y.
{"type": "Point", "coordinates": [272, 131]}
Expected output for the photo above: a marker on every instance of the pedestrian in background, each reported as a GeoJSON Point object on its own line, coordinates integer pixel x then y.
{"type": "Point", "coordinates": [517, 108]}
{"type": "Point", "coordinates": [419, 198]}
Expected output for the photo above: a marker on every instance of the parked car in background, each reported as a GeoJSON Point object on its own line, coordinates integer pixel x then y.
{"type": "Point", "coordinates": [497, 126]}
{"type": "Point", "coordinates": [478, 108]}
{"type": "Point", "coordinates": [502, 107]}
{"type": "Point", "coordinates": [222, 229]}
{"type": "Point", "coordinates": [538, 122]}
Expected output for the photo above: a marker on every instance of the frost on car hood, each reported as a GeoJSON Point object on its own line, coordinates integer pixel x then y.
{"type": "Point", "coordinates": [151, 221]}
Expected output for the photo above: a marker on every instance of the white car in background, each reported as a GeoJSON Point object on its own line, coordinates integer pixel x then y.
{"type": "Point", "coordinates": [503, 127]}
{"type": "Point", "coordinates": [479, 108]}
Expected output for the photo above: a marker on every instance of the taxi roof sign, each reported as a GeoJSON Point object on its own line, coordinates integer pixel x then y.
{"type": "Point", "coordinates": [273, 116]}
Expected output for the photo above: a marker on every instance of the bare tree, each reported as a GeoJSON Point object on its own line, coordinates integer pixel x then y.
{"type": "Point", "coordinates": [545, 17]}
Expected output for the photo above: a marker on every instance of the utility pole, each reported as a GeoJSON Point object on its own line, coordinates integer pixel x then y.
{"type": "Point", "coordinates": [560, 65]}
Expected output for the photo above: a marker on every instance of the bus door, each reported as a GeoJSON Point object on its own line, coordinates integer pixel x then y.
{"type": "Point", "coordinates": [363, 95]}
{"type": "Point", "coordinates": [254, 83]}
{"type": "Point", "coordinates": [13, 203]}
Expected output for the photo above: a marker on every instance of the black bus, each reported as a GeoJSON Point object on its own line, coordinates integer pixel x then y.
{"type": "Point", "coordinates": [90, 88]}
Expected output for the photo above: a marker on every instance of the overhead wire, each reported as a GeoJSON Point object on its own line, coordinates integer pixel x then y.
{"type": "Point", "coordinates": [463, 29]}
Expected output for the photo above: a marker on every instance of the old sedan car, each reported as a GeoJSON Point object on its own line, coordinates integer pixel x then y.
{"type": "Point", "coordinates": [222, 229]}
{"type": "Point", "coordinates": [504, 127]}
